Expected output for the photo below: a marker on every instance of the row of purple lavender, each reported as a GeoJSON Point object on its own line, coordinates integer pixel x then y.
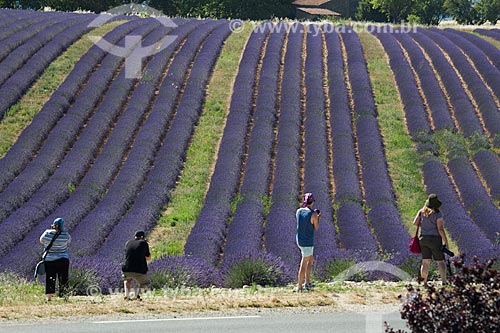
{"type": "Point", "coordinates": [208, 234]}
{"type": "Point", "coordinates": [32, 138]}
{"type": "Point", "coordinates": [105, 151]}
{"type": "Point", "coordinates": [351, 220]}
{"type": "Point", "coordinates": [383, 215]}
{"type": "Point", "coordinates": [493, 33]}
{"type": "Point", "coordinates": [316, 159]}
{"type": "Point", "coordinates": [245, 231]}
{"type": "Point", "coordinates": [45, 180]}
{"type": "Point", "coordinates": [468, 207]}
{"type": "Point", "coordinates": [162, 179]}
{"type": "Point", "coordinates": [83, 208]}
{"type": "Point", "coordinates": [280, 222]}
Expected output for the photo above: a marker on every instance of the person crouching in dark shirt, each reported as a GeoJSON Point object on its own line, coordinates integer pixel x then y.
{"type": "Point", "coordinates": [135, 267]}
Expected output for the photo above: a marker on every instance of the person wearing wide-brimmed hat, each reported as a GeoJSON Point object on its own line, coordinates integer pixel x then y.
{"type": "Point", "coordinates": [432, 236]}
{"type": "Point", "coordinates": [56, 258]}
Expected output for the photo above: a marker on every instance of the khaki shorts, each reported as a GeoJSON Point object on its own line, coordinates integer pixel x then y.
{"type": "Point", "coordinates": [141, 279]}
{"type": "Point", "coordinates": [431, 247]}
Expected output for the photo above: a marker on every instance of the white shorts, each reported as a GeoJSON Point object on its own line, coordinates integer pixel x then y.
{"type": "Point", "coordinates": [306, 251]}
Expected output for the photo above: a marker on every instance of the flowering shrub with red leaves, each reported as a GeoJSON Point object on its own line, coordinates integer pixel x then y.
{"type": "Point", "coordinates": [470, 303]}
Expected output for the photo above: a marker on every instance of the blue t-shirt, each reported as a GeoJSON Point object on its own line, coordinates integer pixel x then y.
{"type": "Point", "coordinates": [305, 229]}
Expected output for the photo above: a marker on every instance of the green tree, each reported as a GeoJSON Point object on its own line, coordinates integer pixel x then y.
{"type": "Point", "coordinates": [71, 5]}
{"type": "Point", "coordinates": [60, 5]}
{"type": "Point", "coordinates": [97, 6]}
{"type": "Point", "coordinates": [189, 8]}
{"type": "Point", "coordinates": [168, 8]}
{"type": "Point", "coordinates": [396, 10]}
{"type": "Point", "coordinates": [258, 9]}
{"type": "Point", "coordinates": [366, 12]}
{"type": "Point", "coordinates": [463, 11]}
{"type": "Point", "coordinates": [241, 9]}
{"type": "Point", "coordinates": [429, 12]}
{"type": "Point", "coordinates": [30, 4]}
{"type": "Point", "coordinates": [489, 10]}
{"type": "Point", "coordinates": [7, 4]}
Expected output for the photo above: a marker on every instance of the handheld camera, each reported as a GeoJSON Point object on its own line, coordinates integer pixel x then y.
{"type": "Point", "coordinates": [447, 252]}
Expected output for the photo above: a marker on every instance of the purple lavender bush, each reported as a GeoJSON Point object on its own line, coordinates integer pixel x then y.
{"type": "Point", "coordinates": [92, 274]}
{"type": "Point", "coordinates": [251, 268]}
{"type": "Point", "coordinates": [245, 231]}
{"type": "Point", "coordinates": [488, 164]}
{"type": "Point", "coordinates": [485, 68]}
{"type": "Point", "coordinates": [337, 268]}
{"type": "Point", "coordinates": [174, 272]}
{"type": "Point", "coordinates": [154, 193]}
{"type": "Point", "coordinates": [464, 232]}
{"type": "Point", "coordinates": [477, 85]}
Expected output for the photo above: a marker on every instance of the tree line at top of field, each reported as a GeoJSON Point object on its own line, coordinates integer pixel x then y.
{"type": "Point", "coordinates": [429, 12]}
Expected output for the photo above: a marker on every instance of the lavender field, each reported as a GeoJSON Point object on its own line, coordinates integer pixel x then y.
{"type": "Point", "coordinates": [106, 151]}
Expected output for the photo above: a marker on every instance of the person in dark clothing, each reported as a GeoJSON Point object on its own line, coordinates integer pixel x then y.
{"type": "Point", "coordinates": [135, 267]}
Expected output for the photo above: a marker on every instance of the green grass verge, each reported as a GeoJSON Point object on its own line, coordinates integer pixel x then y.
{"type": "Point", "coordinates": [17, 290]}
{"type": "Point", "coordinates": [169, 237]}
{"type": "Point", "coordinates": [489, 39]}
{"type": "Point", "coordinates": [20, 114]}
{"type": "Point", "coordinates": [402, 158]}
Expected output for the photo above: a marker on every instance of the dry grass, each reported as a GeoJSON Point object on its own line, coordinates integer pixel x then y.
{"type": "Point", "coordinates": [332, 297]}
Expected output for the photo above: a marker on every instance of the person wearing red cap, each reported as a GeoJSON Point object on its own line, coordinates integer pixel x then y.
{"type": "Point", "coordinates": [307, 224]}
{"type": "Point", "coordinates": [135, 267]}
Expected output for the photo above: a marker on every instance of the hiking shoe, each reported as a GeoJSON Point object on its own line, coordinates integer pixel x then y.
{"type": "Point", "coordinates": [420, 280]}
{"type": "Point", "coordinates": [309, 285]}
{"type": "Point", "coordinates": [301, 290]}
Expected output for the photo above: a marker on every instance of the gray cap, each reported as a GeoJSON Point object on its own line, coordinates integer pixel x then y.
{"type": "Point", "coordinates": [139, 234]}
